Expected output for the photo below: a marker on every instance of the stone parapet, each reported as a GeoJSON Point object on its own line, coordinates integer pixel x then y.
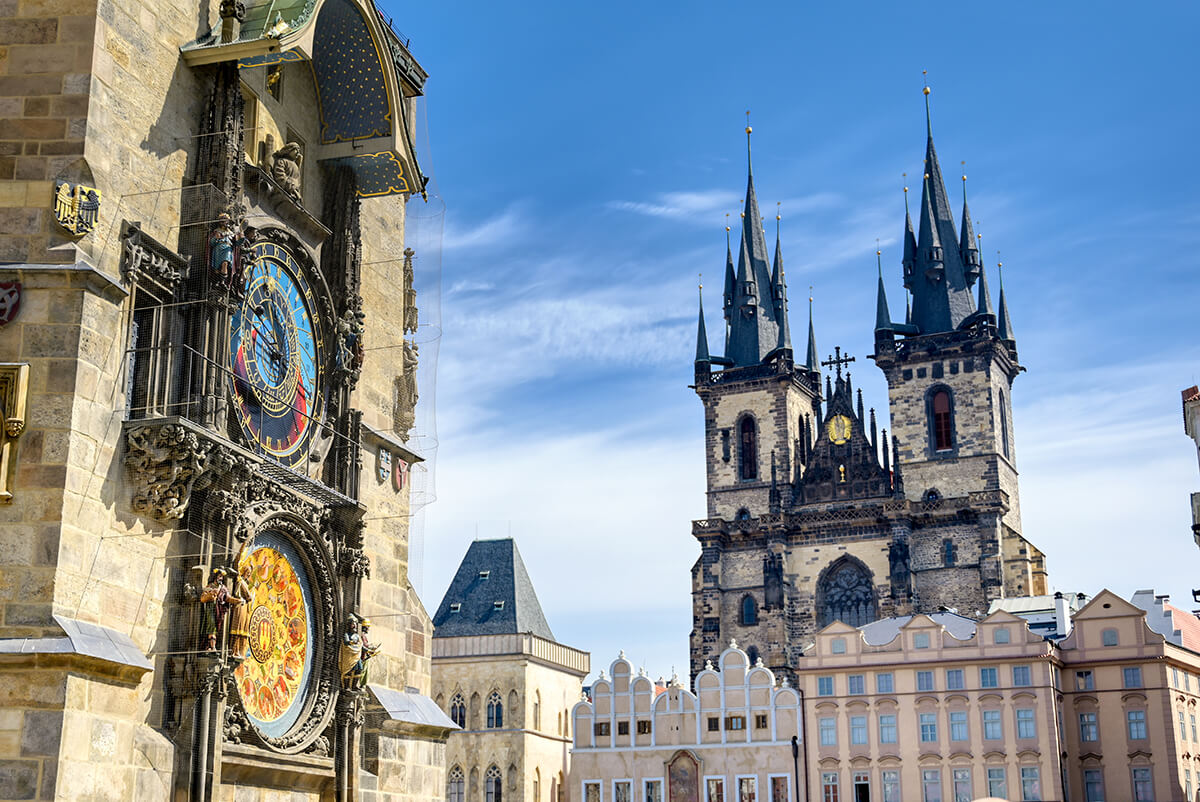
{"type": "Point", "coordinates": [541, 649]}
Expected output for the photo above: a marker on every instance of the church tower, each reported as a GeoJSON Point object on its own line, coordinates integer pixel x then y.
{"type": "Point", "coordinates": [950, 379]}
{"type": "Point", "coordinates": [813, 514]}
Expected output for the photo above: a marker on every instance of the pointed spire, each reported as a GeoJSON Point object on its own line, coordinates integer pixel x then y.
{"type": "Point", "coordinates": [967, 247]}
{"type": "Point", "coordinates": [909, 261]}
{"type": "Point", "coordinates": [1004, 325]}
{"type": "Point", "coordinates": [729, 277]}
{"type": "Point", "coordinates": [779, 291]}
{"type": "Point", "coordinates": [887, 454]}
{"type": "Point", "coordinates": [883, 318]}
{"type": "Point", "coordinates": [984, 306]}
{"type": "Point", "coordinates": [702, 355]}
{"type": "Point", "coordinates": [861, 416]}
{"type": "Point", "coordinates": [897, 480]}
{"type": "Point", "coordinates": [874, 432]}
{"type": "Point", "coordinates": [812, 363]}
{"type": "Point", "coordinates": [907, 308]}
{"type": "Point", "coordinates": [829, 390]}
{"type": "Point", "coordinates": [928, 116]}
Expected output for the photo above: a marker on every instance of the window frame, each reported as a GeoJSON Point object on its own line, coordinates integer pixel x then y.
{"type": "Point", "coordinates": [859, 731]}
{"type": "Point", "coordinates": [827, 731]}
{"type": "Point", "coordinates": [1027, 671]}
{"type": "Point", "coordinates": [927, 727]}
{"type": "Point", "coordinates": [1026, 723]}
{"type": "Point", "coordinates": [747, 462]}
{"type": "Point", "coordinates": [891, 682]}
{"type": "Point", "coordinates": [934, 423]}
{"type": "Point", "coordinates": [890, 727]}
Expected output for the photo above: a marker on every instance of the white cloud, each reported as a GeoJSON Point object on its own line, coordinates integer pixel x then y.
{"type": "Point", "coordinates": [502, 229]}
{"type": "Point", "coordinates": [703, 206]}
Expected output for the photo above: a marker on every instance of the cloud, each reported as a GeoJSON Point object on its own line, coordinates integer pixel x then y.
{"type": "Point", "coordinates": [701, 206]}
{"type": "Point", "coordinates": [503, 229]}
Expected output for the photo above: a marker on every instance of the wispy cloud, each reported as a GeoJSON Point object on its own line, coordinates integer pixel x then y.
{"type": "Point", "coordinates": [502, 229]}
{"type": "Point", "coordinates": [692, 206]}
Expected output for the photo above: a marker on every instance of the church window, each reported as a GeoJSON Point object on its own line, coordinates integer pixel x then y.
{"type": "Point", "coordinates": [1109, 637]}
{"type": "Point", "coordinates": [455, 785]}
{"type": "Point", "coordinates": [537, 784]}
{"type": "Point", "coordinates": [942, 420]}
{"type": "Point", "coordinates": [749, 612]}
{"type": "Point", "coordinates": [845, 593]}
{"type": "Point", "coordinates": [495, 712]}
{"type": "Point", "coordinates": [725, 445]}
{"type": "Point", "coordinates": [743, 514]}
{"type": "Point", "coordinates": [1003, 426]}
{"type": "Point", "coordinates": [458, 710]}
{"type": "Point", "coordinates": [747, 449]}
{"type": "Point", "coordinates": [949, 552]}
{"type": "Point", "coordinates": [493, 785]}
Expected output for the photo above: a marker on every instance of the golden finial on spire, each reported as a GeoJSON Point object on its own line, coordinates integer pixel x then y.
{"type": "Point", "coordinates": [700, 277]}
{"type": "Point", "coordinates": [749, 130]}
{"type": "Point", "coordinates": [778, 210]}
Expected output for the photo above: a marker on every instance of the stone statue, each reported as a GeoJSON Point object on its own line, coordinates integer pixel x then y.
{"type": "Point", "coordinates": [239, 624]}
{"type": "Point", "coordinates": [406, 393]}
{"type": "Point", "coordinates": [285, 169]}
{"type": "Point", "coordinates": [356, 652]}
{"type": "Point", "coordinates": [350, 341]}
{"type": "Point", "coordinates": [410, 294]}
{"type": "Point", "coordinates": [227, 244]}
{"type": "Point", "coordinates": [216, 601]}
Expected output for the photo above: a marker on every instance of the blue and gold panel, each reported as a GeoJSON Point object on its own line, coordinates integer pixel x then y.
{"type": "Point", "coordinates": [379, 174]}
{"type": "Point", "coordinates": [348, 71]}
{"type": "Point", "coordinates": [268, 59]}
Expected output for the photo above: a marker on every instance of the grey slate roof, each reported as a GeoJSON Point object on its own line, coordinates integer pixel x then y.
{"type": "Point", "coordinates": [877, 633]}
{"type": "Point", "coordinates": [507, 581]}
{"type": "Point", "coordinates": [82, 638]}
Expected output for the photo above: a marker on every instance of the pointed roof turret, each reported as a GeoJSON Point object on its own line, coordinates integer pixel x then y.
{"type": "Point", "coordinates": [967, 246]}
{"type": "Point", "coordinates": [883, 318]}
{"type": "Point", "coordinates": [941, 295]}
{"type": "Point", "coordinates": [1003, 325]}
{"type": "Point", "coordinates": [729, 277]}
{"type": "Point", "coordinates": [909, 260]}
{"type": "Point", "coordinates": [984, 307]}
{"type": "Point", "coordinates": [702, 355]}
{"type": "Point", "coordinates": [779, 293]}
{"type": "Point", "coordinates": [754, 332]}
{"type": "Point", "coordinates": [811, 362]}
{"type": "Point", "coordinates": [491, 594]}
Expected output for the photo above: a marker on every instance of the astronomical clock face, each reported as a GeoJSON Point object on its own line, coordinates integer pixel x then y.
{"type": "Point", "coordinates": [276, 350]}
{"type": "Point", "coordinates": [839, 429]}
{"type": "Point", "coordinates": [274, 677]}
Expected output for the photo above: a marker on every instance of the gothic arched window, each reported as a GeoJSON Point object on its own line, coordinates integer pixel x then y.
{"type": "Point", "coordinates": [495, 712]}
{"type": "Point", "coordinates": [747, 449]}
{"type": "Point", "coordinates": [845, 593]}
{"type": "Point", "coordinates": [749, 611]}
{"type": "Point", "coordinates": [493, 784]}
{"type": "Point", "coordinates": [1003, 426]}
{"type": "Point", "coordinates": [941, 411]}
{"type": "Point", "coordinates": [455, 785]}
{"type": "Point", "coordinates": [537, 710]}
{"type": "Point", "coordinates": [458, 710]}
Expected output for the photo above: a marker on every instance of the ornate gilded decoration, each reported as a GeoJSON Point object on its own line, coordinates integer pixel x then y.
{"type": "Point", "coordinates": [76, 207]}
{"type": "Point", "coordinates": [14, 389]}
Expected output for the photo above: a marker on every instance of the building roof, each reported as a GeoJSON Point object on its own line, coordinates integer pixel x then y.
{"type": "Point", "coordinates": [885, 630]}
{"type": "Point", "coordinates": [1177, 626]}
{"type": "Point", "coordinates": [1019, 605]}
{"type": "Point", "coordinates": [493, 594]}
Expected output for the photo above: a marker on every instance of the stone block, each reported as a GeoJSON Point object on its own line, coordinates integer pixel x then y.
{"type": "Point", "coordinates": [18, 779]}
{"type": "Point", "coordinates": [28, 31]}
{"type": "Point", "coordinates": [42, 733]}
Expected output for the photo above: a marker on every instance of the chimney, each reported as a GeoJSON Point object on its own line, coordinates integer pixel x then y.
{"type": "Point", "coordinates": [1062, 616]}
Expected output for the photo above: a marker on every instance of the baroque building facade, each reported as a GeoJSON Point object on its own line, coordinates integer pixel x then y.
{"type": "Point", "coordinates": [208, 390]}
{"type": "Point", "coordinates": [814, 514]}
{"type": "Point", "coordinates": [504, 680]}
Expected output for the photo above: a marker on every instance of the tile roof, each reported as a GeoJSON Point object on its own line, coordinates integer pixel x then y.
{"type": "Point", "coordinates": [494, 595]}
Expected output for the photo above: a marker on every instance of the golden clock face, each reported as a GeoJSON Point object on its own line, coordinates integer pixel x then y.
{"type": "Point", "coordinates": [839, 429]}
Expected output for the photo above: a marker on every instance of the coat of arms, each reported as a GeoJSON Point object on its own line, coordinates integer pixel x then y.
{"type": "Point", "coordinates": [76, 207]}
{"type": "Point", "coordinates": [10, 300]}
{"type": "Point", "coordinates": [384, 463]}
{"type": "Point", "coordinates": [400, 475]}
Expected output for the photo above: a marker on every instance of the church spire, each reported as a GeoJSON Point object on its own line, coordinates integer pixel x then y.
{"type": "Point", "coordinates": [910, 246]}
{"type": "Point", "coordinates": [730, 284]}
{"type": "Point", "coordinates": [941, 295]}
{"type": "Point", "coordinates": [779, 291]}
{"type": "Point", "coordinates": [985, 298]}
{"type": "Point", "coordinates": [754, 329]}
{"type": "Point", "coordinates": [702, 355]}
{"type": "Point", "coordinates": [883, 318]}
{"type": "Point", "coordinates": [1004, 325]}
{"type": "Point", "coordinates": [811, 362]}
{"type": "Point", "coordinates": [968, 249]}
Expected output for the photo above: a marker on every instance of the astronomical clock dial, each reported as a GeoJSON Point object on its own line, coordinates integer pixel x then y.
{"type": "Point", "coordinates": [273, 678]}
{"type": "Point", "coordinates": [839, 429]}
{"type": "Point", "coordinates": [276, 349]}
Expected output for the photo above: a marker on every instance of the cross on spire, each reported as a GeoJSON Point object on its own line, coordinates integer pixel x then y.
{"type": "Point", "coordinates": [837, 361]}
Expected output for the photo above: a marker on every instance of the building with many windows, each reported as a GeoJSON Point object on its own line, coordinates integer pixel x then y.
{"type": "Point", "coordinates": [729, 739]}
{"type": "Point", "coordinates": [504, 680]}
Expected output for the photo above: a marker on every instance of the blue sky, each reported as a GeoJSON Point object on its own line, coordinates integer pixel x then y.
{"type": "Point", "coordinates": [586, 157]}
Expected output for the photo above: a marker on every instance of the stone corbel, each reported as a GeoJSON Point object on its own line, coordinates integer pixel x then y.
{"type": "Point", "coordinates": [14, 390]}
{"type": "Point", "coordinates": [165, 461]}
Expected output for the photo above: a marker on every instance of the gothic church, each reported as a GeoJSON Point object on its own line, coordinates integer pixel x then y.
{"type": "Point", "coordinates": [814, 515]}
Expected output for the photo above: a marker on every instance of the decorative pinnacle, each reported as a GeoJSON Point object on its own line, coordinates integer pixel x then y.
{"type": "Point", "coordinates": [749, 131]}
{"type": "Point", "coordinates": [964, 178]}
{"type": "Point", "coordinates": [905, 176]}
{"type": "Point", "coordinates": [925, 91]}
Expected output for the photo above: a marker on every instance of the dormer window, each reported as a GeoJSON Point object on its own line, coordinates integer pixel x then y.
{"type": "Point", "coordinates": [498, 605]}
{"type": "Point", "coordinates": [454, 608]}
{"type": "Point", "coordinates": [484, 574]}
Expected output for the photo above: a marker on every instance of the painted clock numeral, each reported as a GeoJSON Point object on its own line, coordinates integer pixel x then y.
{"type": "Point", "coordinates": [274, 355]}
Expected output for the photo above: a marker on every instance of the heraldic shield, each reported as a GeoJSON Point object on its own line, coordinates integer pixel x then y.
{"type": "Point", "coordinates": [10, 300]}
{"type": "Point", "coordinates": [76, 207]}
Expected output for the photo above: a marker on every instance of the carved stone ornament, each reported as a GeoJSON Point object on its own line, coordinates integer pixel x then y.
{"type": "Point", "coordinates": [142, 256]}
{"type": "Point", "coordinates": [14, 390]}
{"type": "Point", "coordinates": [165, 463]}
{"type": "Point", "coordinates": [76, 207]}
{"type": "Point", "coordinates": [10, 301]}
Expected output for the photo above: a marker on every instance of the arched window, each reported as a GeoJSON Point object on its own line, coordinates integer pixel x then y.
{"type": "Point", "coordinates": [455, 785]}
{"type": "Point", "coordinates": [949, 552]}
{"type": "Point", "coordinates": [743, 514]}
{"type": "Point", "coordinates": [495, 712]}
{"type": "Point", "coordinates": [845, 593]}
{"type": "Point", "coordinates": [493, 785]}
{"type": "Point", "coordinates": [537, 710]}
{"type": "Point", "coordinates": [537, 784]}
{"type": "Point", "coordinates": [749, 611]}
{"type": "Point", "coordinates": [458, 710]}
{"type": "Point", "coordinates": [943, 420]}
{"type": "Point", "coordinates": [1003, 426]}
{"type": "Point", "coordinates": [747, 449]}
